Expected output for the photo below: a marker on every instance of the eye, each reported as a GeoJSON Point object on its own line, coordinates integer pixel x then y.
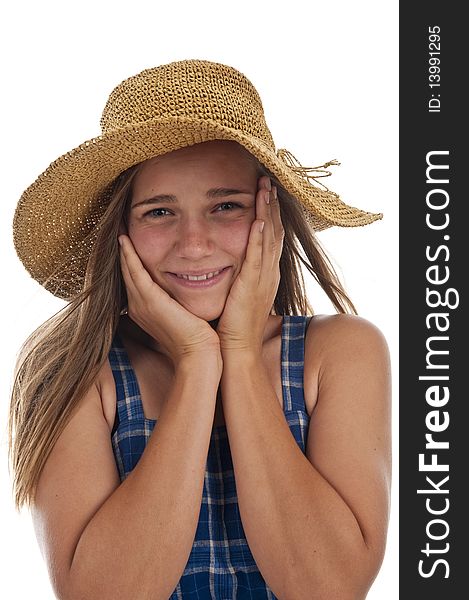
{"type": "Point", "coordinates": [230, 205]}
{"type": "Point", "coordinates": [156, 212]}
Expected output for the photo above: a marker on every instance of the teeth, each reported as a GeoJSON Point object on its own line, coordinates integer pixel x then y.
{"type": "Point", "coordinates": [200, 277]}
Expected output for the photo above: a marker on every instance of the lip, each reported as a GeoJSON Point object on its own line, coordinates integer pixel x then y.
{"type": "Point", "coordinates": [205, 283]}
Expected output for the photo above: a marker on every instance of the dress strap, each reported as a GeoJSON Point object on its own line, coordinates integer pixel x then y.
{"type": "Point", "coordinates": [129, 399]}
{"type": "Point", "coordinates": [292, 361]}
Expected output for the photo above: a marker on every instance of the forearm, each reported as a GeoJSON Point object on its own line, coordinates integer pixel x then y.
{"type": "Point", "coordinates": [304, 537]}
{"type": "Point", "coordinates": [138, 543]}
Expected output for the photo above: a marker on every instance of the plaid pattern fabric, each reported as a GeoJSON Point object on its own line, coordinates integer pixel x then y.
{"type": "Point", "coordinates": [220, 565]}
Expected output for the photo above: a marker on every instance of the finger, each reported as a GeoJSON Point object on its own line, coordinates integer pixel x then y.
{"type": "Point", "coordinates": [276, 215]}
{"type": "Point", "coordinates": [133, 294]}
{"type": "Point", "coordinates": [136, 272]}
{"type": "Point", "coordinates": [263, 210]}
{"type": "Point", "coordinates": [123, 262]}
{"type": "Point", "coordinates": [252, 265]}
{"type": "Point", "coordinates": [272, 243]}
{"type": "Point", "coordinates": [254, 261]}
{"type": "Point", "coordinates": [268, 210]}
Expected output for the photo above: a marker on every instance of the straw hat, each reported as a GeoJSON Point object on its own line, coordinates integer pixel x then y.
{"type": "Point", "coordinates": [154, 112]}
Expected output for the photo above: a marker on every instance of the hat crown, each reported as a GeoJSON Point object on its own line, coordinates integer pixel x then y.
{"type": "Point", "coordinates": [193, 89]}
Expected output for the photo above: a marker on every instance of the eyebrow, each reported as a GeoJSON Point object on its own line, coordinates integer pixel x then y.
{"type": "Point", "coordinates": [211, 194]}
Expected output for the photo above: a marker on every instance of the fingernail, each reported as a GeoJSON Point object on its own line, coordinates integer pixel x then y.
{"type": "Point", "coordinates": [261, 226]}
{"type": "Point", "coordinates": [120, 240]}
{"type": "Point", "coordinates": [269, 184]}
{"type": "Point", "coordinates": [274, 191]}
{"type": "Point", "coordinates": [267, 198]}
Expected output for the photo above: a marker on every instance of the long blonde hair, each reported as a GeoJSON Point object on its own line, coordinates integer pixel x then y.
{"type": "Point", "coordinates": [60, 360]}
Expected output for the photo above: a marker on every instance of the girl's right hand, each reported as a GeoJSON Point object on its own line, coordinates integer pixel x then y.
{"type": "Point", "coordinates": [178, 331]}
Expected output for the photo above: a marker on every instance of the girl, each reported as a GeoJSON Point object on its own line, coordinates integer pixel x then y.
{"type": "Point", "coordinates": [186, 427]}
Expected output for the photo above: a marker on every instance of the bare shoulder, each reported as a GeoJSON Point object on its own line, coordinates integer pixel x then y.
{"type": "Point", "coordinates": [342, 350]}
{"type": "Point", "coordinates": [338, 336]}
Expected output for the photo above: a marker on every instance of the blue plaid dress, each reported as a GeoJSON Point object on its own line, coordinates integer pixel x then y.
{"type": "Point", "coordinates": [220, 565]}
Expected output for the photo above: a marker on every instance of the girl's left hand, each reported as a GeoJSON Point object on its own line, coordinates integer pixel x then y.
{"type": "Point", "coordinates": [241, 325]}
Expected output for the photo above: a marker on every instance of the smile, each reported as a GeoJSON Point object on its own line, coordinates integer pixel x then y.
{"type": "Point", "coordinates": [199, 281]}
{"type": "Point", "coordinates": [200, 277]}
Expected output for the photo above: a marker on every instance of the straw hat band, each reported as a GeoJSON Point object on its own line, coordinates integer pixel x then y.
{"type": "Point", "coordinates": [221, 95]}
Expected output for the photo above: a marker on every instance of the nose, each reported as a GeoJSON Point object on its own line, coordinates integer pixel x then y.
{"type": "Point", "coordinates": [194, 239]}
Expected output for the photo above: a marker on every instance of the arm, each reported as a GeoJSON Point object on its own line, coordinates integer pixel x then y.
{"type": "Point", "coordinates": [316, 524]}
{"type": "Point", "coordinates": [105, 541]}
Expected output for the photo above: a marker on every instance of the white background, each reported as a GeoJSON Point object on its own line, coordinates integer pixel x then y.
{"type": "Point", "coordinates": [327, 74]}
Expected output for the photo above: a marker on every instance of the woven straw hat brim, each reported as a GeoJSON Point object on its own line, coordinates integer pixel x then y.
{"type": "Point", "coordinates": [56, 216]}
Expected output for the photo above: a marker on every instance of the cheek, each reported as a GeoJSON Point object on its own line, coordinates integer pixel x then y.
{"type": "Point", "coordinates": [235, 238]}
{"type": "Point", "coordinates": [149, 247]}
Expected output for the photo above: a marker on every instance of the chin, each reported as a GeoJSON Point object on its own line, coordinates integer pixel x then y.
{"type": "Point", "coordinates": [208, 313]}
{"type": "Point", "coordinates": [208, 316]}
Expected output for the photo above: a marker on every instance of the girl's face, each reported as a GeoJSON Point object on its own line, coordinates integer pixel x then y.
{"type": "Point", "coordinates": [190, 215]}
